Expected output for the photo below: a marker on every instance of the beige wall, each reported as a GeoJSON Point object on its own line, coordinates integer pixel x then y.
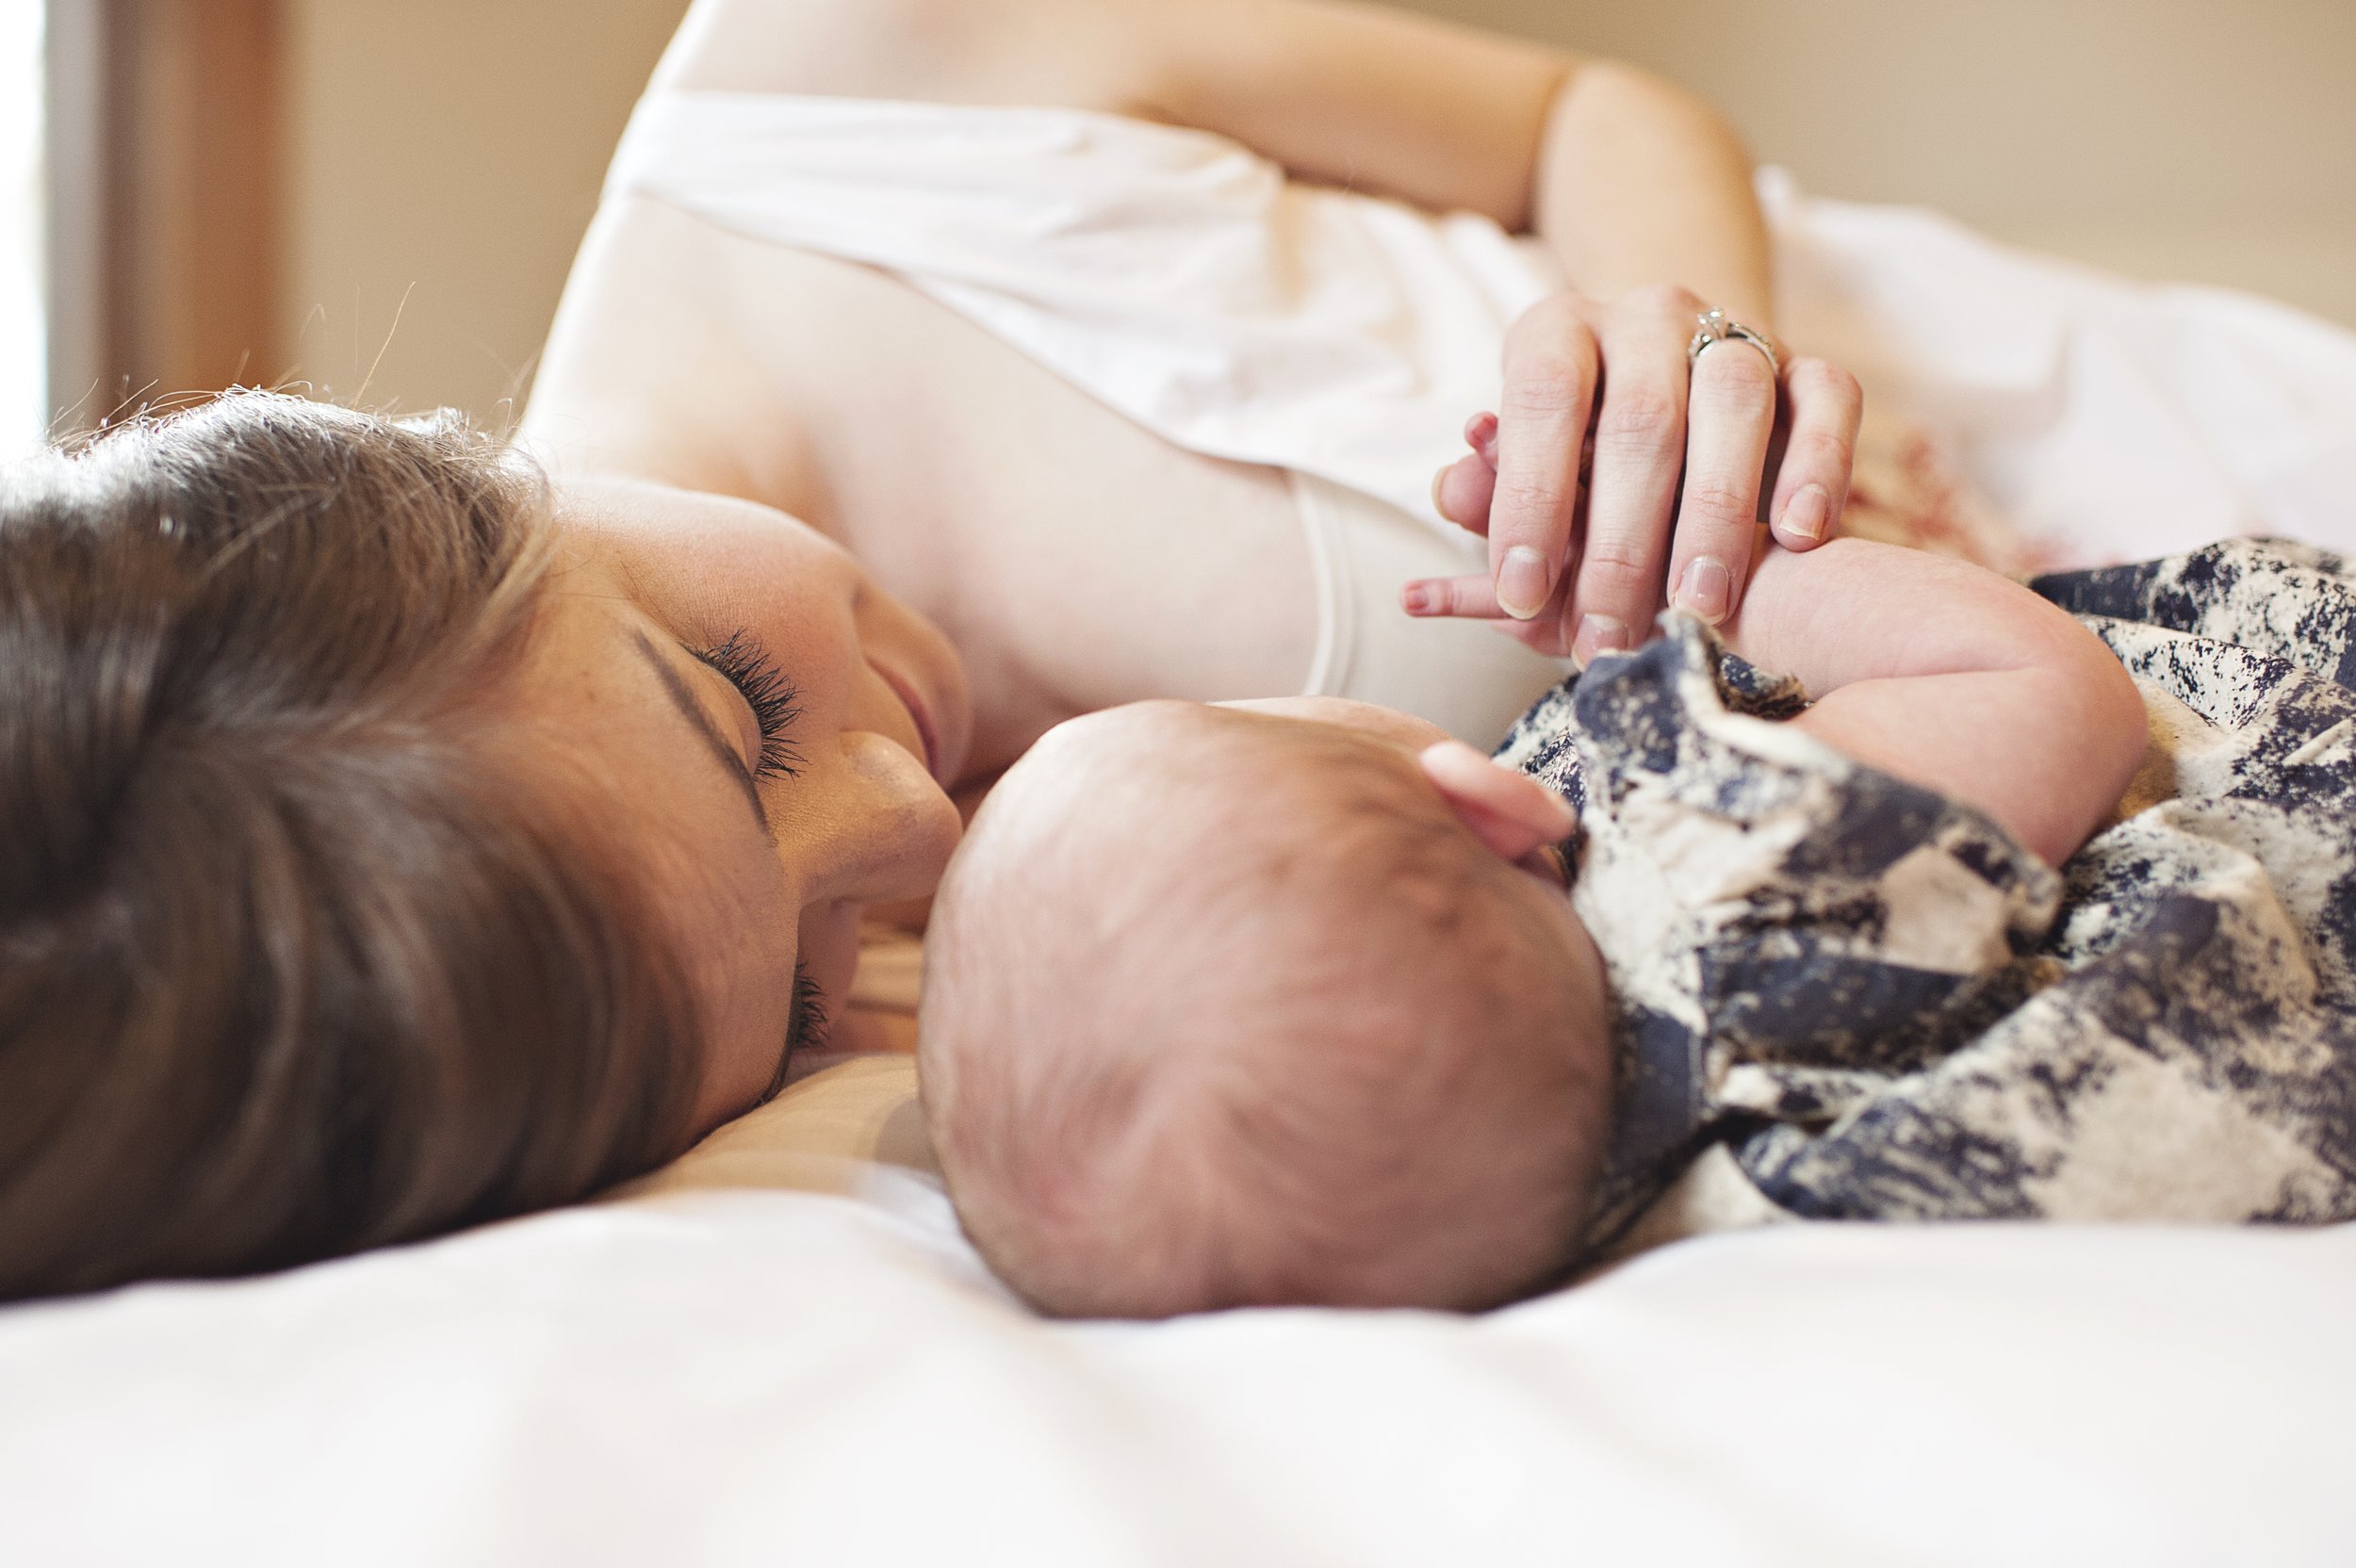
{"type": "Point", "coordinates": [2212, 139]}
{"type": "Point", "coordinates": [449, 154]}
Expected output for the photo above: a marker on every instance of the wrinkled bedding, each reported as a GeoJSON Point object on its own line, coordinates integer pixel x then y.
{"type": "Point", "coordinates": [775, 1376]}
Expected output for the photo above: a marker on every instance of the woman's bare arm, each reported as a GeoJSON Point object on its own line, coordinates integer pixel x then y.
{"type": "Point", "coordinates": [1631, 180]}
{"type": "Point", "coordinates": [1644, 192]}
{"type": "Point", "coordinates": [1640, 188]}
{"type": "Point", "coordinates": [1445, 116]}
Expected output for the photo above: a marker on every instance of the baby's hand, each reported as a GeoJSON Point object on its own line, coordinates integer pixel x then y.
{"type": "Point", "coordinates": [1462, 494]}
{"type": "Point", "coordinates": [1514, 814]}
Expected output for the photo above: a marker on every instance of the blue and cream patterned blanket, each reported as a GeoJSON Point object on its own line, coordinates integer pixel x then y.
{"type": "Point", "coordinates": [1882, 1008]}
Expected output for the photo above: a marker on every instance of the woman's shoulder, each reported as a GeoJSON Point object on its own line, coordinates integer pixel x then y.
{"type": "Point", "coordinates": [651, 367]}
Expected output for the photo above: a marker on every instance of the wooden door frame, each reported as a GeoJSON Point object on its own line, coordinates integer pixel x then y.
{"type": "Point", "coordinates": [165, 192]}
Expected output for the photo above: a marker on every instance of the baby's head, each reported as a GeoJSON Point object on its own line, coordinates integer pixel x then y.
{"type": "Point", "coordinates": [1264, 1004]}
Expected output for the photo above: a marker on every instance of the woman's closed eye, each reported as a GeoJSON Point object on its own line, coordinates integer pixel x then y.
{"type": "Point", "coordinates": [772, 698]}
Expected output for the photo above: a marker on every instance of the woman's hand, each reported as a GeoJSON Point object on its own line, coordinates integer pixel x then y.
{"type": "Point", "coordinates": [1679, 455]}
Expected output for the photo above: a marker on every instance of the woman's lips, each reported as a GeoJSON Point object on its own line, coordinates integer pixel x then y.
{"type": "Point", "coordinates": [918, 714]}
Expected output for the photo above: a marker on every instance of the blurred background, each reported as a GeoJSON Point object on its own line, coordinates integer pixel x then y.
{"type": "Point", "coordinates": [383, 199]}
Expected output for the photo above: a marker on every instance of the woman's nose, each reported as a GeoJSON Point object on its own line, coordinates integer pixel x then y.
{"type": "Point", "coordinates": [888, 826]}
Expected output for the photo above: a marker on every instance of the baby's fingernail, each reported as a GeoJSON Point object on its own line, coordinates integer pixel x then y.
{"type": "Point", "coordinates": [1523, 584]}
{"type": "Point", "coordinates": [1481, 435]}
{"type": "Point", "coordinates": [1706, 588]}
{"type": "Point", "coordinates": [1417, 599]}
{"type": "Point", "coordinates": [1597, 636]}
{"type": "Point", "coordinates": [1808, 512]}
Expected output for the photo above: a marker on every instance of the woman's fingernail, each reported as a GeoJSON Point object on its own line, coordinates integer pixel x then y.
{"type": "Point", "coordinates": [1808, 512]}
{"type": "Point", "coordinates": [1597, 636]}
{"type": "Point", "coordinates": [1437, 480]}
{"type": "Point", "coordinates": [1706, 588]}
{"type": "Point", "coordinates": [1523, 584]}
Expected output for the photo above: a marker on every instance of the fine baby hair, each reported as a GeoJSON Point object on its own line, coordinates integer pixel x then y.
{"type": "Point", "coordinates": [1227, 1008]}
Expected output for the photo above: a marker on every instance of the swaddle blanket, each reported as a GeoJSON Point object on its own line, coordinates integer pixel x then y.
{"type": "Point", "coordinates": [1883, 1007]}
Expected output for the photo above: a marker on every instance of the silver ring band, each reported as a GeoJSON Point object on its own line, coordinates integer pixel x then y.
{"type": "Point", "coordinates": [1716, 328]}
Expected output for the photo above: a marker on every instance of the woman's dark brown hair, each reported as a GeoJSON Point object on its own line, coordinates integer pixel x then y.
{"type": "Point", "coordinates": [291, 961]}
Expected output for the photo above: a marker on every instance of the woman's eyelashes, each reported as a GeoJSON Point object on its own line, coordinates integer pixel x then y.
{"type": "Point", "coordinates": [805, 1033]}
{"type": "Point", "coordinates": [772, 698]}
{"type": "Point", "coordinates": [807, 1030]}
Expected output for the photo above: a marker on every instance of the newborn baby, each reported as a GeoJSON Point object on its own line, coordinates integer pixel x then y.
{"type": "Point", "coordinates": [1289, 1001]}
{"type": "Point", "coordinates": [1265, 1002]}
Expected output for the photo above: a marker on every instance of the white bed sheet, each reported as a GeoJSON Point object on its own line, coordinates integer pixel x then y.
{"type": "Point", "coordinates": [777, 1377]}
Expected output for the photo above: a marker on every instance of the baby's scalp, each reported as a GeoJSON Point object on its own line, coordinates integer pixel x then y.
{"type": "Point", "coordinates": [1226, 1007]}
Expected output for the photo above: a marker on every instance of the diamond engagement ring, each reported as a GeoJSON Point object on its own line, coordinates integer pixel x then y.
{"type": "Point", "coordinates": [1716, 328]}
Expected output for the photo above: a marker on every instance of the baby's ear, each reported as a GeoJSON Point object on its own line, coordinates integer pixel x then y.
{"type": "Point", "coordinates": [1510, 812]}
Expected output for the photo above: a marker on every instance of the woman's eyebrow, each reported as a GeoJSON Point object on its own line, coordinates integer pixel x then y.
{"type": "Point", "coordinates": [692, 712]}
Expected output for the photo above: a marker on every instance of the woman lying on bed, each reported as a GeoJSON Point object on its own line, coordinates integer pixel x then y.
{"type": "Point", "coordinates": [396, 840]}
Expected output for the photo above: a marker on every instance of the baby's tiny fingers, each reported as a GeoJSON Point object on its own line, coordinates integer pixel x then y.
{"type": "Point", "coordinates": [1462, 597]}
{"type": "Point", "coordinates": [1462, 491]}
{"type": "Point", "coordinates": [1475, 599]}
{"type": "Point", "coordinates": [1481, 435]}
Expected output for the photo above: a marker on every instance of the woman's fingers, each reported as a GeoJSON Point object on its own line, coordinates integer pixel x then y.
{"type": "Point", "coordinates": [1730, 416]}
{"type": "Point", "coordinates": [1639, 450]}
{"type": "Point", "coordinates": [1665, 501]}
{"type": "Point", "coordinates": [1825, 404]}
{"type": "Point", "coordinates": [1550, 371]}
